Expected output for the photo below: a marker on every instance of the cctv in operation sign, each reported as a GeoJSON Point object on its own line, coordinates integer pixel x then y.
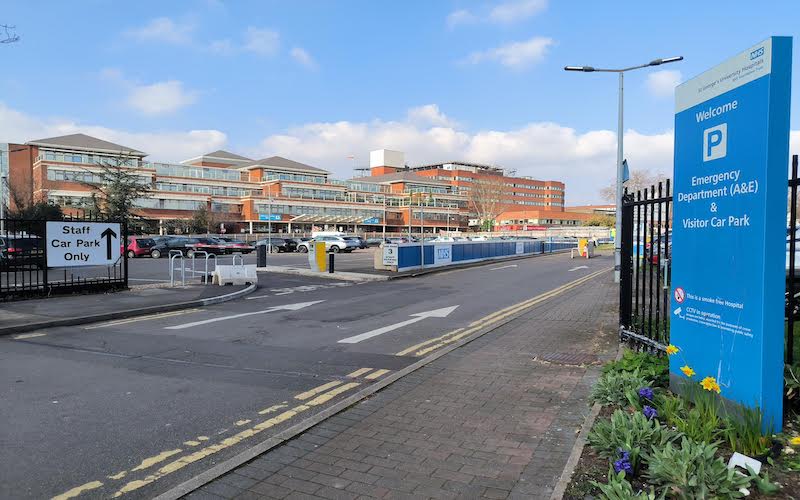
{"type": "Point", "coordinates": [72, 244]}
{"type": "Point", "coordinates": [729, 226]}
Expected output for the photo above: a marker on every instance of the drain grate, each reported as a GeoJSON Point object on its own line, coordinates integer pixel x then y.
{"type": "Point", "coordinates": [567, 358]}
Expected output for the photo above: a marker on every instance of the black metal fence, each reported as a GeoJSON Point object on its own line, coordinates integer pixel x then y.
{"type": "Point", "coordinates": [24, 271]}
{"type": "Point", "coordinates": [645, 273]}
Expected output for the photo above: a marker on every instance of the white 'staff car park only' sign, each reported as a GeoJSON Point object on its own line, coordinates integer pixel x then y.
{"type": "Point", "coordinates": [71, 244]}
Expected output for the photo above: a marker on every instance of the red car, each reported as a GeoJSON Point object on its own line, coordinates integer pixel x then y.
{"type": "Point", "coordinates": [232, 245]}
{"type": "Point", "coordinates": [210, 245]}
{"type": "Point", "coordinates": [139, 247]}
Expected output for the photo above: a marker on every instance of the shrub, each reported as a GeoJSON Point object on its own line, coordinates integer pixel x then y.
{"type": "Point", "coordinates": [618, 488]}
{"type": "Point", "coordinates": [618, 388]}
{"type": "Point", "coordinates": [692, 471]}
{"type": "Point", "coordinates": [631, 433]}
{"type": "Point", "coordinates": [655, 368]}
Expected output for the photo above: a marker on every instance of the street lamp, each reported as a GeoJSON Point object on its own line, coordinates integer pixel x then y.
{"type": "Point", "coordinates": [621, 72]}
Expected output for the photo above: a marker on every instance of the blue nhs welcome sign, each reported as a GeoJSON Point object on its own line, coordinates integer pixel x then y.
{"type": "Point", "coordinates": [729, 227]}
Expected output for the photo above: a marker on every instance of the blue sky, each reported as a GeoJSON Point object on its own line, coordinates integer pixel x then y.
{"type": "Point", "coordinates": [318, 81]}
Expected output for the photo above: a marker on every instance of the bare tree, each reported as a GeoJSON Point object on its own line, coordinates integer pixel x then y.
{"type": "Point", "coordinates": [485, 200]}
{"type": "Point", "coordinates": [10, 36]}
{"type": "Point", "coordinates": [639, 179]}
{"type": "Point", "coordinates": [115, 193]}
{"type": "Point", "coordinates": [204, 220]}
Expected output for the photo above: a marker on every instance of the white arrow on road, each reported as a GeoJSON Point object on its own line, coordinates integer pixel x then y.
{"type": "Point", "coordinates": [436, 313]}
{"type": "Point", "coordinates": [285, 307]}
{"type": "Point", "coordinates": [579, 267]}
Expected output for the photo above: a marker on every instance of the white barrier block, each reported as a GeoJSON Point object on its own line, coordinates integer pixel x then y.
{"type": "Point", "coordinates": [235, 275]}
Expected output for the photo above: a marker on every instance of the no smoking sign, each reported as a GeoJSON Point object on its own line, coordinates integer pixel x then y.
{"type": "Point", "coordinates": [680, 295]}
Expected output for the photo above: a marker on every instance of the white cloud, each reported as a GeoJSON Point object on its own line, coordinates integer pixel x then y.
{"type": "Point", "coordinates": [163, 29]}
{"type": "Point", "coordinates": [160, 98]}
{"type": "Point", "coordinates": [503, 13]}
{"type": "Point", "coordinates": [221, 47]}
{"type": "Point", "coordinates": [169, 146]}
{"type": "Point", "coordinates": [516, 55]}
{"type": "Point", "coordinates": [584, 160]}
{"type": "Point", "coordinates": [303, 58]}
{"type": "Point", "coordinates": [264, 42]}
{"type": "Point", "coordinates": [509, 12]}
{"type": "Point", "coordinates": [662, 83]}
{"type": "Point", "coordinates": [429, 114]}
{"type": "Point", "coordinates": [461, 17]}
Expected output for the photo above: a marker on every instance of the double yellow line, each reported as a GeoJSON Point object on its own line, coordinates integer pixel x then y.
{"type": "Point", "coordinates": [430, 345]}
{"type": "Point", "coordinates": [311, 398]}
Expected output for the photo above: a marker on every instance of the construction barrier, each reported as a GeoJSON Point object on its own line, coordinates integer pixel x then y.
{"type": "Point", "coordinates": [408, 256]}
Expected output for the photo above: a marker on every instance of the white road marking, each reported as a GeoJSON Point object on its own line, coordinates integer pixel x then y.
{"type": "Point", "coordinates": [140, 318]}
{"type": "Point", "coordinates": [436, 313]}
{"type": "Point", "coordinates": [502, 267]}
{"type": "Point", "coordinates": [302, 288]}
{"type": "Point", "coordinates": [28, 336]}
{"type": "Point", "coordinates": [579, 267]}
{"type": "Point", "coordinates": [287, 307]}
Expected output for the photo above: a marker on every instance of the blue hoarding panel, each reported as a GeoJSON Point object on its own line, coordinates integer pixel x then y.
{"type": "Point", "coordinates": [458, 253]}
{"type": "Point", "coordinates": [731, 157]}
{"type": "Point", "coordinates": [428, 255]}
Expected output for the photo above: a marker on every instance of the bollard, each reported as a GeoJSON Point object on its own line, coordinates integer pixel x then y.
{"type": "Point", "coordinates": [261, 255]}
{"type": "Point", "coordinates": [330, 263]}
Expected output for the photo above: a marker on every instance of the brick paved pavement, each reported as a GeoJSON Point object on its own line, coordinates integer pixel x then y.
{"type": "Point", "coordinates": [491, 419]}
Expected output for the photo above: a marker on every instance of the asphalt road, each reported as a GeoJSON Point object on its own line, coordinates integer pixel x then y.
{"type": "Point", "coordinates": [135, 407]}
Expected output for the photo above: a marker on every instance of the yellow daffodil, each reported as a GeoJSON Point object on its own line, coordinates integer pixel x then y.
{"type": "Point", "coordinates": [671, 349]}
{"type": "Point", "coordinates": [687, 370]}
{"type": "Point", "coordinates": [795, 441]}
{"type": "Point", "coordinates": [710, 384]}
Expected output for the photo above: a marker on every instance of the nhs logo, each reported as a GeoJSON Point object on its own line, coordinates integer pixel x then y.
{"type": "Point", "coordinates": [715, 142]}
{"type": "Point", "coordinates": [757, 53]}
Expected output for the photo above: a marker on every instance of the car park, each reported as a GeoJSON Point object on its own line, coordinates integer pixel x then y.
{"type": "Point", "coordinates": [298, 241]}
{"type": "Point", "coordinates": [362, 243]}
{"type": "Point", "coordinates": [236, 246]}
{"type": "Point", "coordinates": [20, 251]}
{"type": "Point", "coordinates": [208, 245]}
{"type": "Point", "coordinates": [278, 244]}
{"type": "Point", "coordinates": [165, 244]}
{"type": "Point", "coordinates": [334, 244]}
{"type": "Point", "coordinates": [139, 246]}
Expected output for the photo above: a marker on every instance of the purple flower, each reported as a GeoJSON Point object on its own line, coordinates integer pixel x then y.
{"type": "Point", "coordinates": [623, 465]}
{"type": "Point", "coordinates": [646, 393]}
{"type": "Point", "coordinates": [649, 412]}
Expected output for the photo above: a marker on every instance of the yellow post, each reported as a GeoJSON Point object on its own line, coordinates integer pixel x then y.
{"type": "Point", "coordinates": [583, 245]}
{"type": "Point", "coordinates": [321, 256]}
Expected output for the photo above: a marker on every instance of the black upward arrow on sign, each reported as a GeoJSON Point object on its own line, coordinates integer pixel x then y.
{"type": "Point", "coordinates": [108, 234]}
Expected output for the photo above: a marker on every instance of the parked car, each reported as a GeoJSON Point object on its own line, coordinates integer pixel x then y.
{"type": "Point", "coordinates": [278, 244]}
{"type": "Point", "coordinates": [396, 240]}
{"type": "Point", "coordinates": [164, 244]}
{"type": "Point", "coordinates": [19, 251]}
{"type": "Point", "coordinates": [333, 244]}
{"type": "Point", "coordinates": [297, 242]}
{"type": "Point", "coordinates": [233, 246]}
{"type": "Point", "coordinates": [139, 247]}
{"type": "Point", "coordinates": [362, 243]}
{"type": "Point", "coordinates": [209, 245]}
{"type": "Point", "coordinates": [374, 242]}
